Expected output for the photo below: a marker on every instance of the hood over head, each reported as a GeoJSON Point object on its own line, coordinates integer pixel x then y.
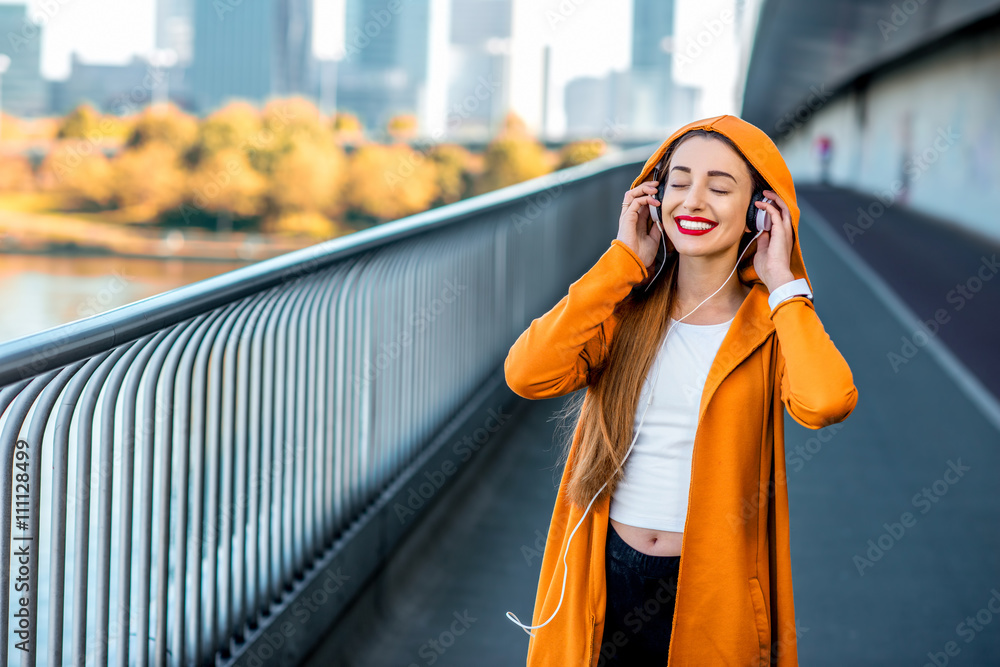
{"type": "Point", "coordinates": [761, 152]}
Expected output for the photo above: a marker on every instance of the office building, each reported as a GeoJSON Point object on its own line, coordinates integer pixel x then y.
{"type": "Point", "coordinates": [25, 92]}
{"type": "Point", "coordinates": [118, 89]}
{"type": "Point", "coordinates": [480, 55]}
{"type": "Point", "coordinates": [658, 102]}
{"type": "Point", "coordinates": [395, 61]}
{"type": "Point", "coordinates": [598, 107]}
{"type": "Point", "coordinates": [252, 51]}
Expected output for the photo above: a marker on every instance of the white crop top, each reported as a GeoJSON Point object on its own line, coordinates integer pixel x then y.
{"type": "Point", "coordinates": [653, 492]}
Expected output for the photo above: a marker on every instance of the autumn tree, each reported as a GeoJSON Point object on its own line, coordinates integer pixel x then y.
{"type": "Point", "coordinates": [148, 180]}
{"type": "Point", "coordinates": [170, 126]}
{"type": "Point", "coordinates": [294, 120]}
{"type": "Point", "coordinates": [451, 171]}
{"type": "Point", "coordinates": [389, 182]}
{"type": "Point", "coordinates": [304, 167]}
{"type": "Point", "coordinates": [306, 177]}
{"type": "Point", "coordinates": [236, 126]}
{"type": "Point", "coordinates": [402, 127]}
{"type": "Point", "coordinates": [84, 178]}
{"type": "Point", "coordinates": [224, 185]}
{"type": "Point", "coordinates": [82, 122]}
{"type": "Point", "coordinates": [511, 157]}
{"type": "Point", "coordinates": [347, 127]}
{"type": "Point", "coordinates": [578, 152]}
{"type": "Point", "coordinates": [514, 126]}
{"type": "Point", "coordinates": [12, 127]}
{"type": "Point", "coordinates": [16, 174]}
{"type": "Point", "coordinates": [308, 223]}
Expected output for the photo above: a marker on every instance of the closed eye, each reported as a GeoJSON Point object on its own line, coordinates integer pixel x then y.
{"type": "Point", "coordinates": [681, 185]}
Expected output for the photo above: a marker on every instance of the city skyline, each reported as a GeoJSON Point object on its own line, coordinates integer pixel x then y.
{"type": "Point", "coordinates": [570, 28]}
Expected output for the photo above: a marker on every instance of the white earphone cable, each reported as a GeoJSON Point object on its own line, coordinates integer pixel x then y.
{"type": "Point", "coordinates": [514, 619]}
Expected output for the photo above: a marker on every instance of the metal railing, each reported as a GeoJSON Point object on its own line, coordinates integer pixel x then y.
{"type": "Point", "coordinates": [172, 466]}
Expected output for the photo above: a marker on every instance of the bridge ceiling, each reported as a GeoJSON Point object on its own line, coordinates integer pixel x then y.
{"type": "Point", "coordinates": [807, 49]}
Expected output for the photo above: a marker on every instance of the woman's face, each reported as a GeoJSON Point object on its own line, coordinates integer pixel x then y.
{"type": "Point", "coordinates": [709, 181]}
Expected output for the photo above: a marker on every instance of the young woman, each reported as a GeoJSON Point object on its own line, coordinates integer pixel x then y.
{"type": "Point", "coordinates": [691, 346]}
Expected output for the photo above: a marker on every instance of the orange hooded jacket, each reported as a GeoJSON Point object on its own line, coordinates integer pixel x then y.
{"type": "Point", "coordinates": [734, 603]}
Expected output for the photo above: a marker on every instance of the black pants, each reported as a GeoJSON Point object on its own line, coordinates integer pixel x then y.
{"type": "Point", "coordinates": [640, 608]}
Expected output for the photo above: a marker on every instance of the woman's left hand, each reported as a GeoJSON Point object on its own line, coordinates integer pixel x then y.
{"type": "Point", "coordinates": [772, 261]}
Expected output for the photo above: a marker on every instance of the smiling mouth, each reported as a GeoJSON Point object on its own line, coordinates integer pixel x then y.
{"type": "Point", "coordinates": [690, 223]}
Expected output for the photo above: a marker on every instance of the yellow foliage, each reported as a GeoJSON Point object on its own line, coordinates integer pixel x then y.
{"type": "Point", "coordinates": [113, 129]}
{"type": "Point", "coordinates": [390, 182]}
{"type": "Point", "coordinates": [148, 180]}
{"type": "Point", "coordinates": [514, 126]}
{"type": "Point", "coordinates": [452, 166]}
{"type": "Point", "coordinates": [509, 160]}
{"type": "Point", "coordinates": [236, 112]}
{"type": "Point", "coordinates": [167, 124]}
{"type": "Point", "coordinates": [30, 202]}
{"type": "Point", "coordinates": [43, 128]}
{"type": "Point", "coordinates": [295, 109]}
{"type": "Point", "coordinates": [305, 223]}
{"type": "Point", "coordinates": [578, 152]}
{"type": "Point", "coordinates": [307, 177]}
{"type": "Point", "coordinates": [77, 169]}
{"type": "Point", "coordinates": [10, 127]}
{"type": "Point", "coordinates": [347, 126]}
{"type": "Point", "coordinates": [294, 120]}
{"type": "Point", "coordinates": [235, 125]}
{"type": "Point", "coordinates": [224, 181]}
{"type": "Point", "coordinates": [16, 174]}
{"type": "Point", "coordinates": [402, 126]}
{"type": "Point", "coordinates": [80, 123]}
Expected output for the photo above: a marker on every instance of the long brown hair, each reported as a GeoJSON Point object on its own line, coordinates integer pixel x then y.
{"type": "Point", "coordinates": [607, 410]}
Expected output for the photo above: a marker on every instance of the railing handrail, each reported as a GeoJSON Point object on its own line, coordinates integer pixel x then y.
{"type": "Point", "coordinates": [70, 342]}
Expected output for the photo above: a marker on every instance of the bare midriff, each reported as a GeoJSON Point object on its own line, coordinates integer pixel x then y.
{"type": "Point", "coordinates": [648, 541]}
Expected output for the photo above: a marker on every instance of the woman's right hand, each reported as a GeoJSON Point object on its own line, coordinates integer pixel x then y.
{"type": "Point", "coordinates": [634, 225]}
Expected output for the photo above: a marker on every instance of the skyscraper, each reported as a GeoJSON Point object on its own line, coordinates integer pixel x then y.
{"type": "Point", "coordinates": [597, 106]}
{"type": "Point", "coordinates": [652, 23]}
{"type": "Point", "coordinates": [252, 51]}
{"type": "Point", "coordinates": [395, 61]}
{"type": "Point", "coordinates": [658, 103]}
{"type": "Point", "coordinates": [480, 51]}
{"type": "Point", "coordinates": [293, 47]}
{"type": "Point", "coordinates": [25, 93]}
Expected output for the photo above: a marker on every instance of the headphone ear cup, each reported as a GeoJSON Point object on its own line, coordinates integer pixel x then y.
{"type": "Point", "coordinates": [752, 211]}
{"type": "Point", "coordinates": [661, 189]}
{"type": "Point", "coordinates": [657, 176]}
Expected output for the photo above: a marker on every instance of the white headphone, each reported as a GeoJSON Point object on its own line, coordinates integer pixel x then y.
{"type": "Point", "coordinates": [761, 218]}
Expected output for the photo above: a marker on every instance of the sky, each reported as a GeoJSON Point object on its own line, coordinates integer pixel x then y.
{"type": "Point", "coordinates": [588, 38]}
{"type": "Point", "coordinates": [100, 31]}
{"type": "Point", "coordinates": [110, 31]}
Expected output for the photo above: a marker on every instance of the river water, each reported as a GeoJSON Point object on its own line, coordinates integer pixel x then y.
{"type": "Point", "coordinates": [38, 292]}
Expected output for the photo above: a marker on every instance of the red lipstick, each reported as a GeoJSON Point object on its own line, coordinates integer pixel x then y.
{"type": "Point", "coordinates": [694, 218]}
